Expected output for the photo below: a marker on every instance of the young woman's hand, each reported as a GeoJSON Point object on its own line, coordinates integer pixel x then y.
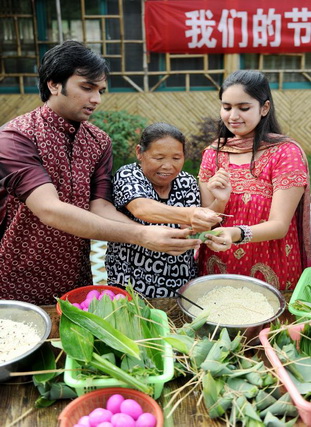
{"type": "Point", "coordinates": [219, 185]}
{"type": "Point", "coordinates": [224, 240]}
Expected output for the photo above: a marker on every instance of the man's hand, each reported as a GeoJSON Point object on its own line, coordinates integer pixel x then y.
{"type": "Point", "coordinates": [166, 239]}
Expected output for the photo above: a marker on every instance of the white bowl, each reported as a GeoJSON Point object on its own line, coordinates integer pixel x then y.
{"type": "Point", "coordinates": [19, 311]}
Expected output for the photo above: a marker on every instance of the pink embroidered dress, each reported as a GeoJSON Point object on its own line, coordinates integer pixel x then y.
{"type": "Point", "coordinates": [38, 262]}
{"type": "Point", "coordinates": [278, 262]}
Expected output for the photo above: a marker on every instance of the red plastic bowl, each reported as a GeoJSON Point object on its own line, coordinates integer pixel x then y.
{"type": "Point", "coordinates": [83, 405]}
{"type": "Point", "coordinates": [79, 294]}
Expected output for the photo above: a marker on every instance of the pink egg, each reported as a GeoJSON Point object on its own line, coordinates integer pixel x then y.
{"type": "Point", "coordinates": [84, 421]}
{"type": "Point", "coordinates": [83, 304]}
{"type": "Point", "coordinates": [93, 294]}
{"type": "Point", "coordinates": [146, 420]}
{"type": "Point", "coordinates": [122, 420]}
{"type": "Point", "coordinates": [114, 402]}
{"type": "Point", "coordinates": [99, 415]}
{"type": "Point", "coordinates": [107, 294]}
{"type": "Point", "coordinates": [131, 408]}
{"type": "Point", "coordinates": [76, 304]}
{"type": "Point", "coordinates": [119, 296]}
{"type": "Point", "coordinates": [86, 303]}
{"type": "Point", "coordinates": [105, 424]}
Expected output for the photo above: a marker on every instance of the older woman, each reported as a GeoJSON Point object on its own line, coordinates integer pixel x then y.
{"type": "Point", "coordinates": [157, 191]}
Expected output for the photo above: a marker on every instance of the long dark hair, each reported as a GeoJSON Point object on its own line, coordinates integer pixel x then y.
{"type": "Point", "coordinates": [256, 85]}
{"type": "Point", "coordinates": [66, 59]}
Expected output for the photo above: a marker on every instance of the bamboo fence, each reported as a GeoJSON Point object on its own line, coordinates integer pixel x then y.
{"type": "Point", "coordinates": [184, 109]}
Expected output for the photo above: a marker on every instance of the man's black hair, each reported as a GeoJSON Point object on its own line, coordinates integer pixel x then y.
{"type": "Point", "coordinates": [67, 59]}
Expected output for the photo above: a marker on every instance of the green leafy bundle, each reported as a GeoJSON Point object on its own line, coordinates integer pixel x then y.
{"type": "Point", "coordinates": [50, 382]}
{"type": "Point", "coordinates": [234, 386]}
{"type": "Point", "coordinates": [295, 356]}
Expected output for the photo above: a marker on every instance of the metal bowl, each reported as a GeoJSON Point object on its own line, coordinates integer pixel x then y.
{"type": "Point", "coordinates": [19, 311]}
{"type": "Point", "coordinates": [200, 286]}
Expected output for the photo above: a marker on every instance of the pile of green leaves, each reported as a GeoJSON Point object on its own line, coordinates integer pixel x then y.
{"type": "Point", "coordinates": [234, 386]}
{"type": "Point", "coordinates": [115, 338]}
{"type": "Point", "coordinates": [295, 356]}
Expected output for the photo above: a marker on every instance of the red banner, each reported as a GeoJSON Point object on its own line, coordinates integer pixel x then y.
{"type": "Point", "coordinates": [228, 26]}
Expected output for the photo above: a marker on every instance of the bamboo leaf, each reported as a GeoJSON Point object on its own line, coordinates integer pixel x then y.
{"type": "Point", "coordinates": [113, 371]}
{"type": "Point", "coordinates": [250, 422]}
{"type": "Point", "coordinates": [202, 235]}
{"type": "Point", "coordinates": [253, 374]}
{"type": "Point", "coordinates": [269, 380]}
{"type": "Point", "coordinates": [251, 414]}
{"type": "Point", "coordinates": [200, 351]}
{"type": "Point", "coordinates": [197, 323]}
{"type": "Point", "coordinates": [238, 384]}
{"type": "Point", "coordinates": [103, 308]}
{"type": "Point", "coordinates": [303, 387]}
{"type": "Point", "coordinates": [264, 399]}
{"type": "Point", "coordinates": [61, 391]}
{"type": "Point", "coordinates": [272, 421]}
{"type": "Point", "coordinates": [42, 402]}
{"type": "Point", "coordinates": [221, 406]}
{"type": "Point", "coordinates": [305, 340]}
{"type": "Point", "coordinates": [181, 343]}
{"type": "Point", "coordinates": [211, 391]}
{"type": "Point", "coordinates": [215, 367]}
{"type": "Point", "coordinates": [101, 329]}
{"type": "Point", "coordinates": [301, 305]}
{"type": "Point", "coordinates": [237, 412]}
{"type": "Point", "coordinates": [45, 360]}
{"type": "Point", "coordinates": [288, 356]}
{"type": "Point", "coordinates": [282, 406]}
{"type": "Point", "coordinates": [77, 341]}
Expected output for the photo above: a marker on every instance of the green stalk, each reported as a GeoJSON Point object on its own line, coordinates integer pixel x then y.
{"type": "Point", "coordinates": [301, 305]}
{"type": "Point", "coordinates": [113, 371]}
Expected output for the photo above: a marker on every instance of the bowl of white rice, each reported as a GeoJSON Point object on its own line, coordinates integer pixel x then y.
{"type": "Point", "coordinates": [239, 303]}
{"type": "Point", "coordinates": [23, 329]}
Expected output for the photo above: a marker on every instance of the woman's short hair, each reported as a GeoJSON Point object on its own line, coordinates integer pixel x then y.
{"type": "Point", "coordinates": [160, 130]}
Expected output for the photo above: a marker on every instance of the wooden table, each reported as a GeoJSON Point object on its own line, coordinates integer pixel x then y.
{"type": "Point", "coordinates": [18, 395]}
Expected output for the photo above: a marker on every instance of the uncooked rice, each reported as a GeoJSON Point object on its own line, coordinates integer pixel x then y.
{"type": "Point", "coordinates": [228, 305]}
{"type": "Point", "coordinates": [16, 338]}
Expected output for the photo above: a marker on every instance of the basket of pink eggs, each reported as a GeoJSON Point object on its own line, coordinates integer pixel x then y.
{"type": "Point", "coordinates": [112, 407]}
{"type": "Point", "coordinates": [82, 297]}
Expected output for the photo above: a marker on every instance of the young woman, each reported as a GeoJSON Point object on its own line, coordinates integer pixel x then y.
{"type": "Point", "coordinates": [157, 191]}
{"type": "Point", "coordinates": [268, 235]}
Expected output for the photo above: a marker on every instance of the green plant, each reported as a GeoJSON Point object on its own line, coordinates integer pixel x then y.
{"type": "Point", "coordinates": [198, 142]}
{"type": "Point", "coordinates": [124, 130]}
